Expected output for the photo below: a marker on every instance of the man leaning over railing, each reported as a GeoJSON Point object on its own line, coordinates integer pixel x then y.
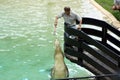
{"type": "Point", "coordinates": [69, 17]}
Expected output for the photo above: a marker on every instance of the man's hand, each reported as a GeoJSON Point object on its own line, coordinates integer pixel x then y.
{"type": "Point", "coordinates": [56, 21]}
{"type": "Point", "coordinates": [55, 25]}
{"type": "Point", "coordinates": [79, 27]}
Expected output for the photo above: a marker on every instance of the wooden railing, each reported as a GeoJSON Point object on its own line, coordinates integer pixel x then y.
{"type": "Point", "coordinates": [97, 47]}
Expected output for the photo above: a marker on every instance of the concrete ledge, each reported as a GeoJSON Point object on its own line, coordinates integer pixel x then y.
{"type": "Point", "coordinates": [113, 20]}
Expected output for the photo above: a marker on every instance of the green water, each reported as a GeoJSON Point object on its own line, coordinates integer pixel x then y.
{"type": "Point", "coordinates": [26, 39]}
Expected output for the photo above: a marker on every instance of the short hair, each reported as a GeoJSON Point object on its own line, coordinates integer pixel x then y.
{"type": "Point", "coordinates": [66, 8]}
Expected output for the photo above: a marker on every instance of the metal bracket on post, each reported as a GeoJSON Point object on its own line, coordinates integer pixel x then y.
{"type": "Point", "coordinates": [104, 31]}
{"type": "Point", "coordinates": [119, 70]}
{"type": "Point", "coordinates": [80, 50]}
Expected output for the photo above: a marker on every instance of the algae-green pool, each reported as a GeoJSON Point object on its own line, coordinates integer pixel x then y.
{"type": "Point", "coordinates": [26, 39]}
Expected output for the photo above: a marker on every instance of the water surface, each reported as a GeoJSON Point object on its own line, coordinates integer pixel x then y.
{"type": "Point", "coordinates": [26, 39]}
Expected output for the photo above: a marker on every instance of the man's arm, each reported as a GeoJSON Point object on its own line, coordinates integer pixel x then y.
{"type": "Point", "coordinates": [56, 21]}
{"type": "Point", "coordinates": [79, 25]}
{"type": "Point", "coordinates": [79, 21]}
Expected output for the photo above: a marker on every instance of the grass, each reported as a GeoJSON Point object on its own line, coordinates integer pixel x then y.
{"type": "Point", "coordinates": [107, 4]}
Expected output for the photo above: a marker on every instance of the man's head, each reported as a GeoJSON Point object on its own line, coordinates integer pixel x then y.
{"type": "Point", "coordinates": [67, 10]}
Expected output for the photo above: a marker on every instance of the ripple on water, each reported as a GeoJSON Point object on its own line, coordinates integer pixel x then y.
{"type": "Point", "coordinates": [42, 70]}
{"type": "Point", "coordinates": [3, 36]}
{"type": "Point", "coordinates": [50, 41]}
{"type": "Point", "coordinates": [25, 79]}
{"type": "Point", "coordinates": [42, 39]}
{"type": "Point", "coordinates": [4, 50]}
{"type": "Point", "coordinates": [41, 45]}
{"type": "Point", "coordinates": [43, 31]}
{"type": "Point", "coordinates": [1, 67]}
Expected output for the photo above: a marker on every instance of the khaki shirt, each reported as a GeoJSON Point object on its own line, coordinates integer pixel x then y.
{"type": "Point", "coordinates": [70, 19]}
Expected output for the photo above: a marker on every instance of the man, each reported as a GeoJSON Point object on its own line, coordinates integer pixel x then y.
{"type": "Point", "coordinates": [69, 17]}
